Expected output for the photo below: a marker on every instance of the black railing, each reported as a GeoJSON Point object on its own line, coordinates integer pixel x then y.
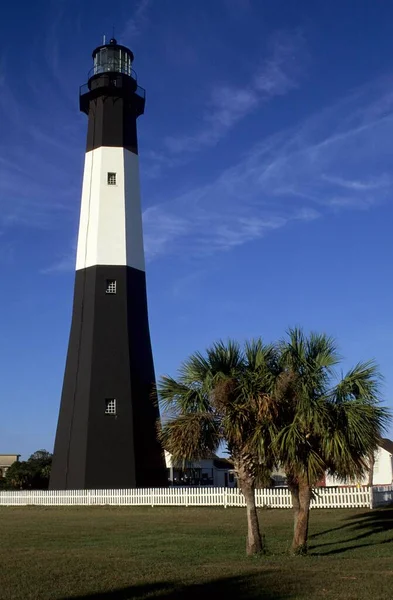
{"type": "Point", "coordinates": [85, 88]}
{"type": "Point", "coordinates": [114, 66]}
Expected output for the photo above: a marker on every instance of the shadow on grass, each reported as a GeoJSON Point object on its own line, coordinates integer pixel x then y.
{"type": "Point", "coordinates": [348, 548]}
{"type": "Point", "coordinates": [247, 587]}
{"type": "Point", "coordinates": [363, 526]}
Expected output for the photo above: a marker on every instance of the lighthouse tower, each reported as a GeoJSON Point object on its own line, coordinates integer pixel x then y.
{"type": "Point", "coordinates": [106, 433]}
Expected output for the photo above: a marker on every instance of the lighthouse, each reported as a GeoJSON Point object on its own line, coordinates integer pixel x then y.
{"type": "Point", "coordinates": [107, 428]}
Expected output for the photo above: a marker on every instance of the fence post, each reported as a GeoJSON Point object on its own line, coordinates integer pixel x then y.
{"type": "Point", "coordinates": [371, 492]}
{"type": "Point", "coordinates": [225, 497]}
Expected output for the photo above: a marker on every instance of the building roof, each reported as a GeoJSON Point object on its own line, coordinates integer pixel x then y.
{"type": "Point", "coordinates": [222, 463]}
{"type": "Point", "coordinates": [386, 444]}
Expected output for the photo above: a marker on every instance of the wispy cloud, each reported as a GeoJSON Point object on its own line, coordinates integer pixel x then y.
{"type": "Point", "coordinates": [52, 50]}
{"type": "Point", "coordinates": [229, 104]}
{"type": "Point", "coordinates": [8, 103]}
{"type": "Point", "coordinates": [156, 162]}
{"type": "Point", "coordinates": [39, 135]}
{"type": "Point", "coordinates": [135, 25]}
{"type": "Point", "coordinates": [338, 159]}
{"type": "Point", "coordinates": [162, 229]}
{"type": "Point", "coordinates": [63, 264]}
{"type": "Point", "coordinates": [359, 186]}
{"type": "Point", "coordinates": [205, 231]}
{"type": "Point", "coordinates": [34, 192]}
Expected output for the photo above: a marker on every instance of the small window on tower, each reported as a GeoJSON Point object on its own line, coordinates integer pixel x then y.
{"type": "Point", "coordinates": [111, 178]}
{"type": "Point", "coordinates": [110, 406]}
{"type": "Point", "coordinates": [110, 286]}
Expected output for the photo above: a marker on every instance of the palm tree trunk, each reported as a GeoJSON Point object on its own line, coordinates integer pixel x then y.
{"type": "Point", "coordinates": [301, 502]}
{"type": "Point", "coordinates": [294, 489]}
{"type": "Point", "coordinates": [247, 487]}
{"type": "Point", "coordinates": [371, 469]}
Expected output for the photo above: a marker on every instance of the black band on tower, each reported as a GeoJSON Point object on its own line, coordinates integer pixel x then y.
{"type": "Point", "coordinates": [109, 357]}
{"type": "Point", "coordinates": [113, 102]}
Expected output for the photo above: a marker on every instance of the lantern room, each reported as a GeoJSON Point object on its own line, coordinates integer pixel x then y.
{"type": "Point", "coordinates": [112, 58]}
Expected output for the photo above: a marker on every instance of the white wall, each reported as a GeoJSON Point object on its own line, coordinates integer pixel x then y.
{"type": "Point", "coordinates": [168, 459]}
{"type": "Point", "coordinates": [383, 468]}
{"type": "Point", "coordinates": [110, 226]}
{"type": "Point", "coordinates": [383, 472]}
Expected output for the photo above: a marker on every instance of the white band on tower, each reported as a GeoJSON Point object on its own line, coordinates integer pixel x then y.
{"type": "Point", "coordinates": [110, 227]}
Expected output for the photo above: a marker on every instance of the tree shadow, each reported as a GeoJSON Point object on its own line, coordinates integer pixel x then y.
{"type": "Point", "coordinates": [360, 527]}
{"type": "Point", "coordinates": [326, 531]}
{"type": "Point", "coordinates": [377, 515]}
{"type": "Point", "coordinates": [356, 547]}
{"type": "Point", "coordinates": [247, 587]}
{"type": "Point", "coordinates": [331, 530]}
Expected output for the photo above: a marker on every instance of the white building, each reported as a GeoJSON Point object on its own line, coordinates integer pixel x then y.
{"type": "Point", "coordinates": [6, 460]}
{"type": "Point", "coordinates": [382, 471]}
{"type": "Point", "coordinates": [214, 471]}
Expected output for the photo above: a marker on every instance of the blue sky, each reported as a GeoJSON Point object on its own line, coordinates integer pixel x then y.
{"type": "Point", "coordinates": [266, 163]}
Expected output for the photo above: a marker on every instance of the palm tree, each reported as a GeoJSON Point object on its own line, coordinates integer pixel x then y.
{"type": "Point", "coordinates": [226, 397]}
{"type": "Point", "coordinates": [325, 425]}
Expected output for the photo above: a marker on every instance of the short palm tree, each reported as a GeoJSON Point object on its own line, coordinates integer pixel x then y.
{"type": "Point", "coordinates": [325, 425]}
{"type": "Point", "coordinates": [225, 396]}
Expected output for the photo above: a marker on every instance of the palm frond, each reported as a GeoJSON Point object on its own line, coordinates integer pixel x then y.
{"type": "Point", "coordinates": [363, 381]}
{"type": "Point", "coordinates": [299, 453]}
{"type": "Point", "coordinates": [355, 429]}
{"type": "Point", "coordinates": [313, 357]}
{"type": "Point", "coordinates": [177, 397]}
{"type": "Point", "coordinates": [259, 355]}
{"type": "Point", "coordinates": [195, 369]}
{"type": "Point", "coordinates": [225, 358]}
{"type": "Point", "coordinates": [191, 436]}
{"type": "Point", "coordinates": [322, 350]}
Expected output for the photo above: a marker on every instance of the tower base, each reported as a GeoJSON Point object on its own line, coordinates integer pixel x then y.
{"type": "Point", "coordinates": [109, 358]}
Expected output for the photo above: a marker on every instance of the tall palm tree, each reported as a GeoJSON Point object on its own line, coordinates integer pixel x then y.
{"type": "Point", "coordinates": [325, 425]}
{"type": "Point", "coordinates": [225, 396]}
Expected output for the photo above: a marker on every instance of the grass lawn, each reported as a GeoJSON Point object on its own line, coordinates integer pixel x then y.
{"type": "Point", "coordinates": [121, 553]}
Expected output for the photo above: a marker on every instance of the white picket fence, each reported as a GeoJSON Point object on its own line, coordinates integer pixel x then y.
{"type": "Point", "coordinates": [331, 497]}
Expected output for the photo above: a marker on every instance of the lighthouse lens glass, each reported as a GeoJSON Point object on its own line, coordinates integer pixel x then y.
{"type": "Point", "coordinates": [112, 60]}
